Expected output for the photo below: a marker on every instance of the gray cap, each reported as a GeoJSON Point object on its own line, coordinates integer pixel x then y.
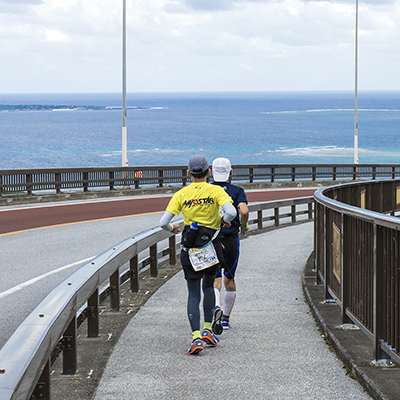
{"type": "Point", "coordinates": [198, 164]}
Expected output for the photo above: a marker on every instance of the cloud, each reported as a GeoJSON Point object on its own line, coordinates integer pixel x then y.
{"type": "Point", "coordinates": [209, 4]}
{"type": "Point", "coordinates": [53, 35]}
{"type": "Point", "coordinates": [18, 6]}
{"type": "Point", "coordinates": [229, 4]}
{"type": "Point", "coordinates": [22, 1]}
{"type": "Point", "coordinates": [174, 45]}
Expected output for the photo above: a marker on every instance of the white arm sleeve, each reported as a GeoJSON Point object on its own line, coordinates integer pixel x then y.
{"type": "Point", "coordinates": [230, 211]}
{"type": "Point", "coordinates": [165, 221]}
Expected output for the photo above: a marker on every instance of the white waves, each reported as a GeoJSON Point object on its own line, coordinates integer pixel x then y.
{"type": "Point", "coordinates": [329, 110]}
{"type": "Point", "coordinates": [321, 151]}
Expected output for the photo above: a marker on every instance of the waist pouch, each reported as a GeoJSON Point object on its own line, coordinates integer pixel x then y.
{"type": "Point", "coordinates": [204, 235]}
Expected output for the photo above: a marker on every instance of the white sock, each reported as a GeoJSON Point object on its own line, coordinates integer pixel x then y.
{"type": "Point", "coordinates": [217, 297]}
{"type": "Point", "coordinates": [229, 301]}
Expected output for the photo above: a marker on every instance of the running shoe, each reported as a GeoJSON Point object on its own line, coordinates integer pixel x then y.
{"type": "Point", "coordinates": [209, 338]}
{"type": "Point", "coordinates": [216, 326]}
{"type": "Point", "coordinates": [196, 347]}
{"type": "Point", "coordinates": [225, 323]}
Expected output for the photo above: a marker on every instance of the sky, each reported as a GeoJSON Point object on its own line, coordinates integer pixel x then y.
{"type": "Point", "coordinates": [71, 46]}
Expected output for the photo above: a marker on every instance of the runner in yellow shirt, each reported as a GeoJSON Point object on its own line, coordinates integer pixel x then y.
{"type": "Point", "coordinates": [200, 204]}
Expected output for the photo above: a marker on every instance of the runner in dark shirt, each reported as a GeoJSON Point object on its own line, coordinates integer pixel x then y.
{"type": "Point", "coordinates": [222, 171]}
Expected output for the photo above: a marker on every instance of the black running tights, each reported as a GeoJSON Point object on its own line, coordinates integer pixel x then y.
{"type": "Point", "coordinates": [194, 297]}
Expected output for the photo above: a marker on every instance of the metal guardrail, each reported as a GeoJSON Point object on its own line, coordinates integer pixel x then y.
{"type": "Point", "coordinates": [357, 258]}
{"type": "Point", "coordinates": [56, 180]}
{"type": "Point", "coordinates": [26, 358]}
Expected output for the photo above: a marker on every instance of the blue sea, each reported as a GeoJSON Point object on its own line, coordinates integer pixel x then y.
{"type": "Point", "coordinates": [167, 128]}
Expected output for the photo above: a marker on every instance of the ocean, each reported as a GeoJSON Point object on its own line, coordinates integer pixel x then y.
{"type": "Point", "coordinates": [167, 128]}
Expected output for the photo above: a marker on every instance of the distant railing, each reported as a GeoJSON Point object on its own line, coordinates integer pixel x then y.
{"type": "Point", "coordinates": [29, 181]}
{"type": "Point", "coordinates": [357, 257]}
{"type": "Point", "coordinates": [51, 328]}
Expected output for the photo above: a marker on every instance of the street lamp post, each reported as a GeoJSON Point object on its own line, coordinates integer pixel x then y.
{"type": "Point", "coordinates": [124, 133]}
{"type": "Point", "coordinates": [356, 92]}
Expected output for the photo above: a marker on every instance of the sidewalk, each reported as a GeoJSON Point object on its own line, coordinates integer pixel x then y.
{"type": "Point", "coordinates": [273, 350]}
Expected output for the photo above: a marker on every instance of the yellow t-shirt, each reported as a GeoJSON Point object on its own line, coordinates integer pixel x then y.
{"type": "Point", "coordinates": [199, 202]}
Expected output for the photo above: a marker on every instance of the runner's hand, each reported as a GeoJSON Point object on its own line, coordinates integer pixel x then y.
{"type": "Point", "coordinates": [243, 230]}
{"type": "Point", "coordinates": [177, 229]}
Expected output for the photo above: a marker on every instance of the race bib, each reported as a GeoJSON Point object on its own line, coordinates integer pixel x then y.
{"type": "Point", "coordinates": [204, 257]}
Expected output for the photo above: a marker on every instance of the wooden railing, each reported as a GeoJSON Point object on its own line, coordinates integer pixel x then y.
{"type": "Point", "coordinates": [26, 358]}
{"type": "Point", "coordinates": [357, 256]}
{"type": "Point", "coordinates": [30, 181]}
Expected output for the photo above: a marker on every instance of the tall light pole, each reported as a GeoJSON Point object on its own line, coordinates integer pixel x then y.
{"type": "Point", "coordinates": [124, 134]}
{"type": "Point", "coordinates": [356, 92]}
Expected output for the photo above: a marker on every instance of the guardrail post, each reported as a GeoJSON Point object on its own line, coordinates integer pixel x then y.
{"type": "Point", "coordinates": [315, 240]}
{"type": "Point", "coordinates": [293, 174]}
{"type": "Point", "coordinates": [69, 351]}
{"type": "Point", "coordinates": [355, 170]}
{"type": "Point", "coordinates": [293, 214]}
{"type": "Point", "coordinates": [272, 174]}
{"type": "Point", "coordinates": [93, 314]}
{"type": "Point", "coordinates": [42, 388]}
{"type": "Point", "coordinates": [114, 291]}
{"type": "Point", "coordinates": [393, 173]}
{"type": "Point", "coordinates": [28, 183]}
{"type": "Point", "coordinates": [276, 216]}
{"type": "Point", "coordinates": [314, 173]}
{"type": "Point", "coordinates": [327, 250]}
{"type": "Point", "coordinates": [172, 250]}
{"type": "Point", "coordinates": [379, 321]}
{"type": "Point", "coordinates": [1, 185]}
{"type": "Point", "coordinates": [319, 242]}
{"type": "Point", "coordinates": [310, 211]}
{"type": "Point", "coordinates": [251, 174]}
{"type": "Point", "coordinates": [260, 219]}
{"type": "Point", "coordinates": [184, 177]}
{"type": "Point", "coordinates": [134, 274]}
{"type": "Point", "coordinates": [85, 181]}
{"type": "Point", "coordinates": [111, 179]}
{"type": "Point", "coordinates": [153, 261]}
{"type": "Point", "coordinates": [160, 178]}
{"type": "Point", "coordinates": [373, 173]}
{"type": "Point", "coordinates": [334, 174]}
{"type": "Point", "coordinates": [57, 182]}
{"type": "Point", "coordinates": [345, 266]}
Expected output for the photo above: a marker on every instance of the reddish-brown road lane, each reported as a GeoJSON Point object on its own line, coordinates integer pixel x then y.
{"type": "Point", "coordinates": [38, 217]}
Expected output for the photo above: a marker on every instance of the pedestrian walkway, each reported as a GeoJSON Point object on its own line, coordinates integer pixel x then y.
{"type": "Point", "coordinates": [273, 350]}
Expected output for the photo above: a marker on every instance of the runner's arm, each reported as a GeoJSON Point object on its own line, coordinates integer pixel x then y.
{"type": "Point", "coordinates": [230, 212]}
{"type": "Point", "coordinates": [165, 223]}
{"type": "Point", "coordinates": [244, 217]}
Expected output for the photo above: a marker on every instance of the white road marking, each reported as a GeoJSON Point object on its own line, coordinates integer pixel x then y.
{"type": "Point", "coordinates": [38, 278]}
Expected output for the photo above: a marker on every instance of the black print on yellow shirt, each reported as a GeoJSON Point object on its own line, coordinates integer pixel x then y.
{"type": "Point", "coordinates": [198, 202]}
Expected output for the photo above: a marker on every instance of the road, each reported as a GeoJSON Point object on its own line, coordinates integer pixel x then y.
{"type": "Point", "coordinates": [42, 245]}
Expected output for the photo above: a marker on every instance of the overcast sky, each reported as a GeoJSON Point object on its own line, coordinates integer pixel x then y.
{"type": "Point", "coordinates": [197, 45]}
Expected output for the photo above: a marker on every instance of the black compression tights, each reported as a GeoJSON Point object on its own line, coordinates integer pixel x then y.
{"type": "Point", "coordinates": [194, 297]}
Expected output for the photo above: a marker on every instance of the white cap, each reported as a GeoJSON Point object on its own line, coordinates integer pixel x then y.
{"type": "Point", "coordinates": [221, 169]}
